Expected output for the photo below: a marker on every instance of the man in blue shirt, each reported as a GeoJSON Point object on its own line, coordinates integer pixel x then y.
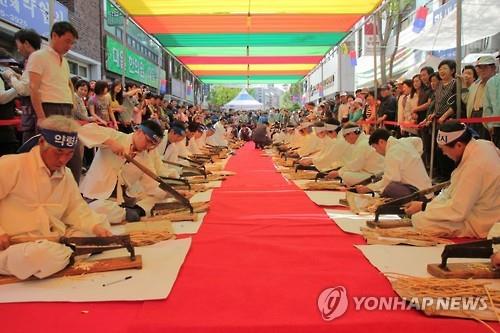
{"type": "Point", "coordinates": [491, 98]}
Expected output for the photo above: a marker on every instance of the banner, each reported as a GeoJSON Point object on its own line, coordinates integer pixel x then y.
{"type": "Point", "coordinates": [32, 14]}
{"type": "Point", "coordinates": [137, 68]}
{"type": "Point", "coordinates": [370, 38]}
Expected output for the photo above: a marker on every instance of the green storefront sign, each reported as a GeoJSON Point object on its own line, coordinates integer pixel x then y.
{"type": "Point", "coordinates": [114, 16]}
{"type": "Point", "coordinates": [137, 68]}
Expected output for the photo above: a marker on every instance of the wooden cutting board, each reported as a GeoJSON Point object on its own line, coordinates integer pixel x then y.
{"type": "Point", "coordinates": [324, 186]}
{"type": "Point", "coordinates": [387, 224]}
{"type": "Point", "coordinates": [86, 267]}
{"type": "Point", "coordinates": [172, 217]}
{"type": "Point", "coordinates": [473, 270]}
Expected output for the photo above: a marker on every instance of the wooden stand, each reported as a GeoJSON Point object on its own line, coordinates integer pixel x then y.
{"type": "Point", "coordinates": [86, 267]}
{"type": "Point", "coordinates": [478, 270]}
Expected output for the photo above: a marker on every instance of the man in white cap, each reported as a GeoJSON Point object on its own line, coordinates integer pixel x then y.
{"type": "Point", "coordinates": [362, 160]}
{"type": "Point", "coordinates": [39, 199]}
{"type": "Point", "coordinates": [343, 112]}
{"type": "Point", "coordinates": [486, 69]}
{"type": "Point", "coordinates": [470, 206]}
{"type": "Point", "coordinates": [491, 101]}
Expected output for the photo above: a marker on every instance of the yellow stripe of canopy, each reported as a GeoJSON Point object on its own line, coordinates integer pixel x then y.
{"type": "Point", "coordinates": [225, 7]}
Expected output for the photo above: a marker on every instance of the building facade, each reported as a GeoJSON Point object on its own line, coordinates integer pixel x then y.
{"type": "Point", "coordinates": [85, 58]}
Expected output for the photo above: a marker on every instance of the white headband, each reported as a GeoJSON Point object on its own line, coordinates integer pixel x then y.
{"type": "Point", "coordinates": [346, 131]}
{"type": "Point", "coordinates": [444, 138]}
{"type": "Point", "coordinates": [319, 129]}
{"type": "Point", "coordinates": [330, 127]}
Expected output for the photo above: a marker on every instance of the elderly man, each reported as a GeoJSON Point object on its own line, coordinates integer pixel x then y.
{"type": "Point", "coordinates": [40, 199]}
{"type": "Point", "coordinates": [170, 149]}
{"type": "Point", "coordinates": [362, 161]}
{"type": "Point", "coordinates": [109, 172]}
{"type": "Point", "coordinates": [471, 204]}
{"type": "Point", "coordinates": [333, 151]}
{"type": "Point", "coordinates": [343, 109]}
{"type": "Point", "coordinates": [486, 69]}
{"type": "Point", "coordinates": [197, 131]}
{"type": "Point", "coordinates": [491, 101]}
{"type": "Point", "coordinates": [404, 170]}
{"type": "Point", "coordinates": [311, 143]}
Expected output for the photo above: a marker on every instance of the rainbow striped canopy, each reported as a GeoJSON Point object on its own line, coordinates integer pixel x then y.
{"type": "Point", "coordinates": [248, 41]}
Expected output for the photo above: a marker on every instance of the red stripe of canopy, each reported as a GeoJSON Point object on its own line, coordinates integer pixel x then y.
{"type": "Point", "coordinates": [242, 23]}
{"type": "Point", "coordinates": [246, 72]}
{"type": "Point", "coordinates": [251, 60]}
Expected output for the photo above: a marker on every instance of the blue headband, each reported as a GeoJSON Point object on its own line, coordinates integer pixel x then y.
{"type": "Point", "coordinates": [178, 130]}
{"type": "Point", "coordinates": [150, 134]}
{"type": "Point", "coordinates": [64, 140]}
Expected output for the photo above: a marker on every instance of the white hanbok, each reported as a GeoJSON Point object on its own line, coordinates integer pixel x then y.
{"type": "Point", "coordinates": [37, 203]}
{"type": "Point", "coordinates": [470, 206]}
{"type": "Point", "coordinates": [362, 161]}
{"type": "Point", "coordinates": [403, 164]}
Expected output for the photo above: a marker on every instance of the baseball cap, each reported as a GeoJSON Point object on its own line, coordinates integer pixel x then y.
{"type": "Point", "coordinates": [486, 60]}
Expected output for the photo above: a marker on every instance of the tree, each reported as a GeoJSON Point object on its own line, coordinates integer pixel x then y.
{"type": "Point", "coordinates": [220, 95]}
{"type": "Point", "coordinates": [287, 101]}
{"type": "Point", "coordinates": [389, 21]}
{"type": "Point", "coordinates": [252, 92]}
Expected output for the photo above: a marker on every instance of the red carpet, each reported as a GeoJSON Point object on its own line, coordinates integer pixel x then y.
{"type": "Point", "coordinates": [262, 257]}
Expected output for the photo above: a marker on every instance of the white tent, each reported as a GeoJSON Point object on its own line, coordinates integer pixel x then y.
{"type": "Point", "coordinates": [244, 101]}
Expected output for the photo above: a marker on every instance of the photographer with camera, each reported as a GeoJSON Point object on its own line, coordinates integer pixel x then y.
{"type": "Point", "coordinates": [8, 138]}
{"type": "Point", "coordinates": [27, 42]}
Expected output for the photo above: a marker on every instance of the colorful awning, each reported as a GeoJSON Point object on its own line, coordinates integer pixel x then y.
{"type": "Point", "coordinates": [248, 41]}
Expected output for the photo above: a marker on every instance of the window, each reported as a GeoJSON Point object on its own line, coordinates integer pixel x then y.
{"type": "Point", "coordinates": [73, 67]}
{"type": "Point", "coordinates": [83, 71]}
{"type": "Point", "coordinates": [78, 69]}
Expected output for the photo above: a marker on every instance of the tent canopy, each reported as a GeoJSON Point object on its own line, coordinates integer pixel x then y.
{"type": "Point", "coordinates": [479, 20]}
{"type": "Point", "coordinates": [244, 101]}
{"type": "Point", "coordinates": [242, 41]}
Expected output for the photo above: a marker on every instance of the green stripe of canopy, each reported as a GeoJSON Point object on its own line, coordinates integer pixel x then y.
{"type": "Point", "coordinates": [253, 51]}
{"type": "Point", "coordinates": [264, 39]}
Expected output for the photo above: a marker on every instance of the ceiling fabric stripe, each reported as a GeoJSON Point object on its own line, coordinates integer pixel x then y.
{"type": "Point", "coordinates": [248, 41]}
